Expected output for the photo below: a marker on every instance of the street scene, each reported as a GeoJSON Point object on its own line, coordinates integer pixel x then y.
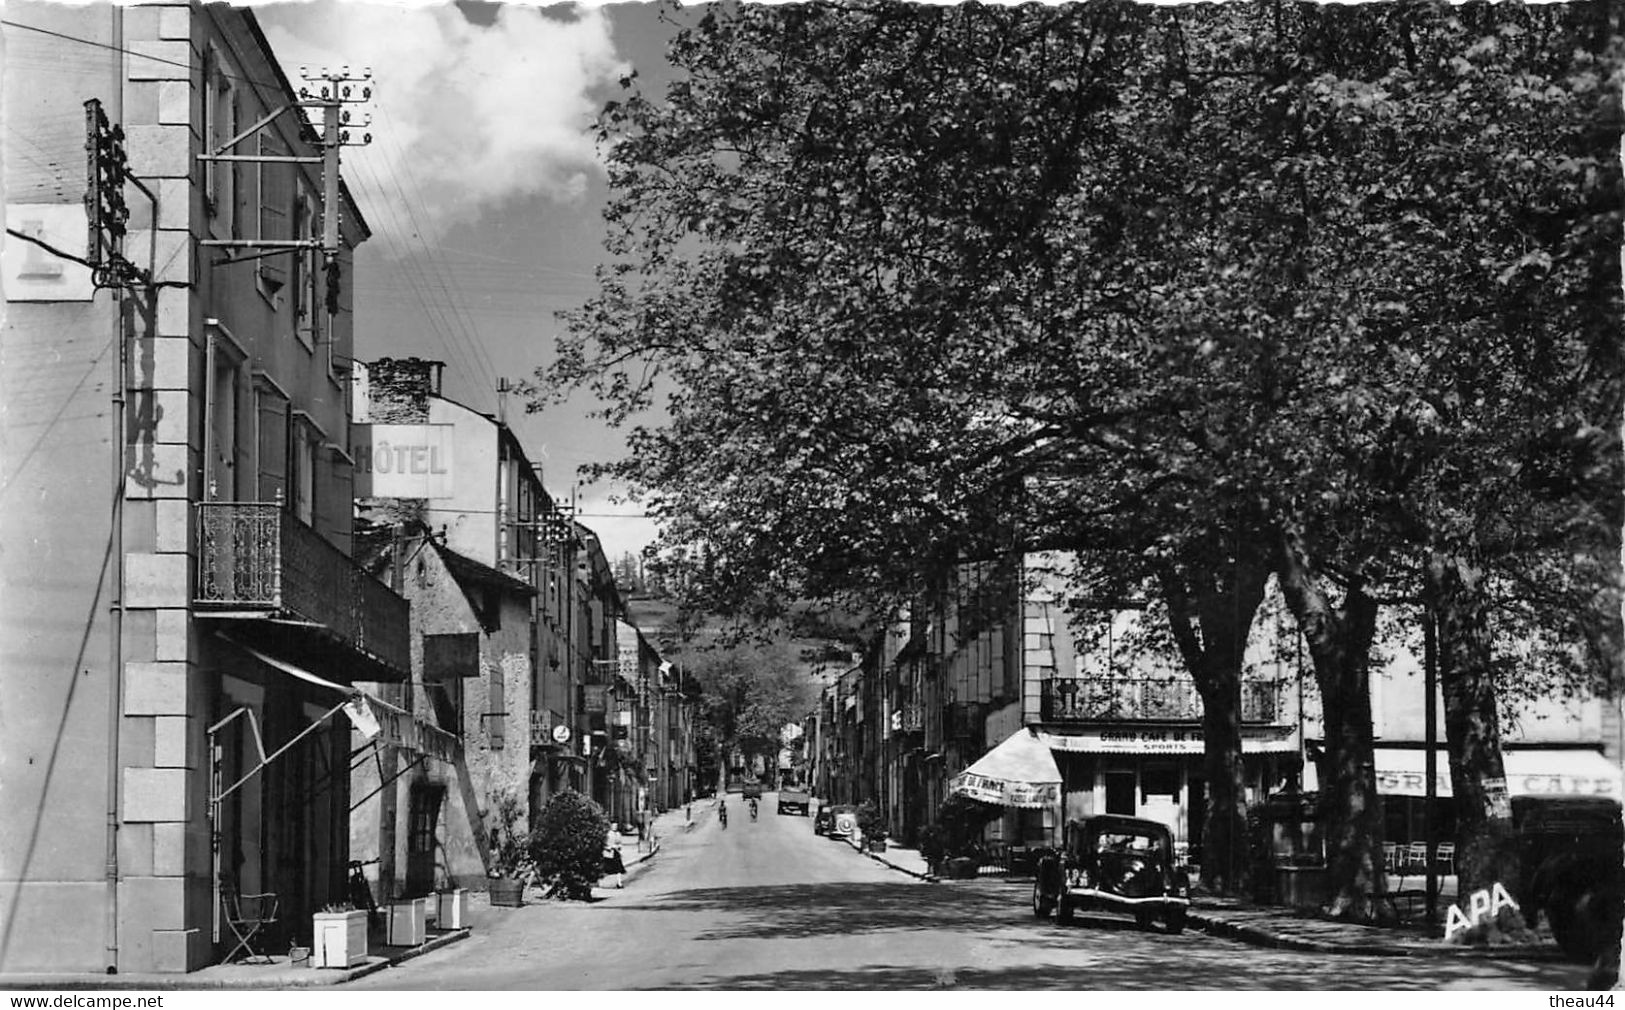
{"type": "Point", "coordinates": [769, 905]}
{"type": "Point", "coordinates": [835, 496]}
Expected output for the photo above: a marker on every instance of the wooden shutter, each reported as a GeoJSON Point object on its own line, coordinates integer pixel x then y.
{"type": "Point", "coordinates": [272, 424]}
{"type": "Point", "coordinates": [276, 209]}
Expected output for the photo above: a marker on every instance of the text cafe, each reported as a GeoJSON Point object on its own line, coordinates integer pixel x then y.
{"type": "Point", "coordinates": [1157, 772]}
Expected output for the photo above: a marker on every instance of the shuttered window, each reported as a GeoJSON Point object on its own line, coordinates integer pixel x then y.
{"type": "Point", "coordinates": [271, 443]}
{"type": "Point", "coordinates": [275, 213]}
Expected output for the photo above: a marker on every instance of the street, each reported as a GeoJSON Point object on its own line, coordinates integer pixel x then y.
{"type": "Point", "coordinates": [769, 905]}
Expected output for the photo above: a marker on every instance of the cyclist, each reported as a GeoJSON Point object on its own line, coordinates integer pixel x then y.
{"type": "Point", "coordinates": [722, 813]}
{"type": "Point", "coordinates": [753, 808]}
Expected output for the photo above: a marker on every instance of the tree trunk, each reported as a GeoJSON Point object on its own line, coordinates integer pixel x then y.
{"type": "Point", "coordinates": [1339, 641]}
{"type": "Point", "coordinates": [1486, 849]}
{"type": "Point", "coordinates": [1211, 610]}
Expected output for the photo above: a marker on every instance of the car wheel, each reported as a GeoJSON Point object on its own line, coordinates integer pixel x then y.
{"type": "Point", "coordinates": [1042, 906]}
{"type": "Point", "coordinates": [1064, 913]}
{"type": "Point", "coordinates": [1176, 920]}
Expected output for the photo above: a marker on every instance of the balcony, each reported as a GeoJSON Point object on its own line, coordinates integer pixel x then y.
{"type": "Point", "coordinates": [1065, 699]}
{"type": "Point", "coordinates": [257, 560]}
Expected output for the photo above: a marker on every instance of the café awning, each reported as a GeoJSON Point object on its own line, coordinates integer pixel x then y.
{"type": "Point", "coordinates": [1403, 772]}
{"type": "Point", "coordinates": [1020, 772]}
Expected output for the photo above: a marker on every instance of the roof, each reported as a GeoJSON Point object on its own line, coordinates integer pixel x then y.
{"type": "Point", "coordinates": [467, 570]}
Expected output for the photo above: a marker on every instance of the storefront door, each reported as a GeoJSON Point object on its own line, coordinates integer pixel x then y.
{"type": "Point", "coordinates": [1120, 793]}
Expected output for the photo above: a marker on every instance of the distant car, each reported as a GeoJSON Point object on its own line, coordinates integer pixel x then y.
{"type": "Point", "coordinates": [1115, 864]}
{"type": "Point", "coordinates": [752, 791]}
{"type": "Point", "coordinates": [823, 820]}
{"type": "Point", "coordinates": [793, 799]}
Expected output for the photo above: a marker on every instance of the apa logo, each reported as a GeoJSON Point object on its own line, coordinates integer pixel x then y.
{"type": "Point", "coordinates": [1482, 904]}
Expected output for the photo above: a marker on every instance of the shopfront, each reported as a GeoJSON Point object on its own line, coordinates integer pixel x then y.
{"type": "Point", "coordinates": [1402, 784]}
{"type": "Point", "coordinates": [1157, 771]}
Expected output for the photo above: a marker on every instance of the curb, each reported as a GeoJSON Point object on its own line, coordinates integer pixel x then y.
{"type": "Point", "coordinates": [315, 979]}
{"type": "Point", "coordinates": [883, 861]}
{"type": "Point", "coordinates": [1258, 936]}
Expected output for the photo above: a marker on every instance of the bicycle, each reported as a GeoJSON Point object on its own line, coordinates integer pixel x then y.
{"type": "Point", "coordinates": [722, 817]}
{"type": "Point", "coordinates": [361, 891]}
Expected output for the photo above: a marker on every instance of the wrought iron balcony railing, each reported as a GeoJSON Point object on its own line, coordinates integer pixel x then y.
{"type": "Point", "coordinates": [1065, 699]}
{"type": "Point", "coordinates": [257, 556]}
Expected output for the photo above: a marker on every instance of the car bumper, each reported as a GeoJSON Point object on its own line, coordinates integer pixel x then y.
{"type": "Point", "coordinates": [1103, 899]}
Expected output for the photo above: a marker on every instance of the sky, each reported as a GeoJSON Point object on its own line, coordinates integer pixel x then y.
{"type": "Point", "coordinates": [483, 189]}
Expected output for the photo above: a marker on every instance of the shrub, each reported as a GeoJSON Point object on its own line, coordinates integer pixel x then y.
{"type": "Point", "coordinates": [961, 820]}
{"type": "Point", "coordinates": [509, 839]}
{"type": "Point", "coordinates": [568, 845]}
{"type": "Point", "coordinates": [933, 844]}
{"type": "Point", "coordinates": [870, 821]}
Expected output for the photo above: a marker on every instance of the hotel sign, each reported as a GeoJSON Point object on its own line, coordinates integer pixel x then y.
{"type": "Point", "coordinates": [403, 460]}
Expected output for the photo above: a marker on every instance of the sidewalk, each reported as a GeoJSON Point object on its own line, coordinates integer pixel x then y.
{"type": "Point", "coordinates": [279, 974]}
{"type": "Point", "coordinates": [636, 852]}
{"type": "Point", "coordinates": [1285, 928]}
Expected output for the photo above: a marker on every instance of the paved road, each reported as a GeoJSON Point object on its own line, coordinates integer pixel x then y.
{"type": "Point", "coordinates": [768, 905]}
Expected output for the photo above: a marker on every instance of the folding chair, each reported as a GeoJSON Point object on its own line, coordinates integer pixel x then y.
{"type": "Point", "coordinates": [247, 915]}
{"type": "Point", "coordinates": [1390, 856]}
{"type": "Point", "coordinates": [1416, 857]}
{"type": "Point", "coordinates": [1445, 857]}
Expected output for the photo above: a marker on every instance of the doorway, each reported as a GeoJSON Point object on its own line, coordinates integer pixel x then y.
{"type": "Point", "coordinates": [422, 819]}
{"type": "Point", "coordinates": [1120, 793]}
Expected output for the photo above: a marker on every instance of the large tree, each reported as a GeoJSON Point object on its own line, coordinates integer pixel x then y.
{"type": "Point", "coordinates": [1168, 287]}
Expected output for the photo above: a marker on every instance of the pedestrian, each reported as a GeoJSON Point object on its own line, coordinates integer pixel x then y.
{"type": "Point", "coordinates": [614, 865]}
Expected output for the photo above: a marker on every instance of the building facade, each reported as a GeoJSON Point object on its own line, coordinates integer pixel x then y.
{"type": "Point", "coordinates": [177, 457]}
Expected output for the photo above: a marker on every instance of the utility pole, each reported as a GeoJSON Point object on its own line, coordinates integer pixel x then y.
{"type": "Point", "coordinates": [331, 92]}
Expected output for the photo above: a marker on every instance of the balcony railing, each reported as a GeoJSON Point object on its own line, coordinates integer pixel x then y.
{"type": "Point", "coordinates": [1065, 699]}
{"type": "Point", "coordinates": [257, 556]}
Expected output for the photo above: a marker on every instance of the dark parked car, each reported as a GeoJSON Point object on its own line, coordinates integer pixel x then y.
{"type": "Point", "coordinates": [823, 820]}
{"type": "Point", "coordinates": [1115, 864]}
{"type": "Point", "coordinates": [752, 791]}
{"type": "Point", "coordinates": [1569, 850]}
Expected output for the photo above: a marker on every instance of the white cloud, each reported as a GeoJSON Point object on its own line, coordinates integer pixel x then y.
{"type": "Point", "coordinates": [465, 116]}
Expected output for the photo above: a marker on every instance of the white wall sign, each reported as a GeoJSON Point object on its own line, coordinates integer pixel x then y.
{"type": "Point", "coordinates": [403, 460]}
{"type": "Point", "coordinates": [33, 275]}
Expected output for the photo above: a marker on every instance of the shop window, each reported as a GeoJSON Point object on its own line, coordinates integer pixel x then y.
{"type": "Point", "coordinates": [1160, 780]}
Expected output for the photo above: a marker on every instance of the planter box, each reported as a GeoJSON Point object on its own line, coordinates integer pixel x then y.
{"type": "Point", "coordinates": [877, 845]}
{"type": "Point", "coordinates": [408, 924]}
{"type": "Point", "coordinates": [452, 912]}
{"type": "Point", "coordinates": [963, 868]}
{"type": "Point", "coordinates": [507, 891]}
{"type": "Point", "coordinates": [339, 939]}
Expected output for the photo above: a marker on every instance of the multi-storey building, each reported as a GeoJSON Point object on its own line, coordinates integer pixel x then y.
{"type": "Point", "coordinates": [186, 618]}
{"type": "Point", "coordinates": [460, 518]}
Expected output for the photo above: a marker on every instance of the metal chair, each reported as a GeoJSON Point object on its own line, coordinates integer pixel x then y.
{"type": "Point", "coordinates": [1444, 858]}
{"type": "Point", "coordinates": [1416, 857]}
{"type": "Point", "coordinates": [1390, 857]}
{"type": "Point", "coordinates": [247, 915]}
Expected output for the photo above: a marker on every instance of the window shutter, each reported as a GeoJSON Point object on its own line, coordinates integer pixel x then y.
{"type": "Point", "coordinates": [496, 719]}
{"type": "Point", "coordinates": [272, 446]}
{"type": "Point", "coordinates": [276, 207]}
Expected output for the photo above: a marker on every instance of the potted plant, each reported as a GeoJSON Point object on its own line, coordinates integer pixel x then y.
{"type": "Point", "coordinates": [872, 826]}
{"type": "Point", "coordinates": [451, 908]}
{"type": "Point", "coordinates": [340, 936]}
{"type": "Point", "coordinates": [407, 925]}
{"type": "Point", "coordinates": [510, 864]}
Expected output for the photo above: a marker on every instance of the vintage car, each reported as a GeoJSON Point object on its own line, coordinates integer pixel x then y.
{"type": "Point", "coordinates": [837, 820]}
{"type": "Point", "coordinates": [1115, 864]}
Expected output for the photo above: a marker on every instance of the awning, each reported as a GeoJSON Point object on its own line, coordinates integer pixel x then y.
{"type": "Point", "coordinates": [1129, 739]}
{"type": "Point", "coordinates": [1020, 772]}
{"type": "Point", "coordinates": [1403, 772]}
{"type": "Point", "coordinates": [376, 720]}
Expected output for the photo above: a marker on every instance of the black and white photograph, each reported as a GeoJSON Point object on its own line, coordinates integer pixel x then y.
{"type": "Point", "coordinates": [853, 496]}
